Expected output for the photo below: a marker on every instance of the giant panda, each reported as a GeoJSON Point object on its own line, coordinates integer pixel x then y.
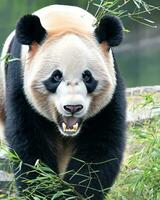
{"type": "Point", "coordinates": [63, 99]}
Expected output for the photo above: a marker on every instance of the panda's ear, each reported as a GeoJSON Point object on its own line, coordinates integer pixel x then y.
{"type": "Point", "coordinates": [110, 29]}
{"type": "Point", "coordinates": [29, 30]}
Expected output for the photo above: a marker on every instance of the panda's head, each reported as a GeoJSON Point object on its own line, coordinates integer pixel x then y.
{"type": "Point", "coordinates": [69, 74]}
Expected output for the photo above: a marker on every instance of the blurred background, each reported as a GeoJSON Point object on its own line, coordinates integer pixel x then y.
{"type": "Point", "coordinates": [138, 56]}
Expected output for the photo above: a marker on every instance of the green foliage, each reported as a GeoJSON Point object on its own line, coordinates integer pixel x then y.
{"type": "Point", "coordinates": [8, 58]}
{"type": "Point", "coordinates": [135, 10]}
{"type": "Point", "coordinates": [48, 180]}
{"type": "Point", "coordinates": [140, 176]}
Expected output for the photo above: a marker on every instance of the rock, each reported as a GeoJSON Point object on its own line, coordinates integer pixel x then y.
{"type": "Point", "coordinates": [143, 103]}
{"type": "Point", "coordinates": [5, 178]}
{"type": "Point", "coordinates": [143, 89]}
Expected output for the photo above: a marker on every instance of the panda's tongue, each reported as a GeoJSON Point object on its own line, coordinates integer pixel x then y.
{"type": "Point", "coordinates": [70, 121]}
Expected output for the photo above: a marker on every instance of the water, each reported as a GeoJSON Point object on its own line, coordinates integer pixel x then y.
{"type": "Point", "coordinates": [139, 57]}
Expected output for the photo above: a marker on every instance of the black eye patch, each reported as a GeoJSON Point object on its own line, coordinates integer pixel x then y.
{"type": "Point", "coordinates": [89, 81]}
{"type": "Point", "coordinates": [52, 82]}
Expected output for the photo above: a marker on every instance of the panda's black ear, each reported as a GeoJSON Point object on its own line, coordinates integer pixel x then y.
{"type": "Point", "coordinates": [110, 29]}
{"type": "Point", "coordinates": [29, 30]}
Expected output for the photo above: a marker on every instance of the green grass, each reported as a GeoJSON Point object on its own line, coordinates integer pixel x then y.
{"type": "Point", "coordinates": [139, 178]}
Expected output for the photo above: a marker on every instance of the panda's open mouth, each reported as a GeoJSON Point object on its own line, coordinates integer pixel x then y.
{"type": "Point", "coordinates": [69, 126]}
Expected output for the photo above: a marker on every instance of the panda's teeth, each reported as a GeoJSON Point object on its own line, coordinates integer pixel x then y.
{"type": "Point", "coordinates": [74, 128]}
{"type": "Point", "coordinates": [64, 126]}
{"type": "Point", "coordinates": [70, 130]}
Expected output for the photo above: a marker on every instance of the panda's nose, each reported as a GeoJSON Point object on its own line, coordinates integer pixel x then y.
{"type": "Point", "coordinates": [73, 108]}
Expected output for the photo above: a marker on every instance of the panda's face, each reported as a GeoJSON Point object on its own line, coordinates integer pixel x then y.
{"type": "Point", "coordinates": [68, 80]}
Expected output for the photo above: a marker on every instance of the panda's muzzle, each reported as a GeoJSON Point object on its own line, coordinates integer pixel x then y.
{"type": "Point", "coordinates": [69, 126]}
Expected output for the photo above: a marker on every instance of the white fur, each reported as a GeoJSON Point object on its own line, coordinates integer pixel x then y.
{"type": "Point", "coordinates": [72, 55]}
{"type": "Point", "coordinates": [73, 12]}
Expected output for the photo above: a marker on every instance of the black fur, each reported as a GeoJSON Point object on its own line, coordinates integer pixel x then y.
{"type": "Point", "coordinates": [102, 138]}
{"type": "Point", "coordinates": [110, 29]}
{"type": "Point", "coordinates": [29, 30]}
{"type": "Point", "coordinates": [90, 82]}
{"type": "Point", "coordinates": [52, 83]}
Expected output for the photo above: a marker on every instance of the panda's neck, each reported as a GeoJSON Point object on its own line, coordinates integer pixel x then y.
{"type": "Point", "coordinates": [65, 149]}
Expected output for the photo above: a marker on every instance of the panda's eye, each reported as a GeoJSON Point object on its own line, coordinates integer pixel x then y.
{"type": "Point", "coordinates": [89, 81]}
{"type": "Point", "coordinates": [53, 81]}
{"type": "Point", "coordinates": [87, 76]}
{"type": "Point", "coordinates": [57, 76]}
